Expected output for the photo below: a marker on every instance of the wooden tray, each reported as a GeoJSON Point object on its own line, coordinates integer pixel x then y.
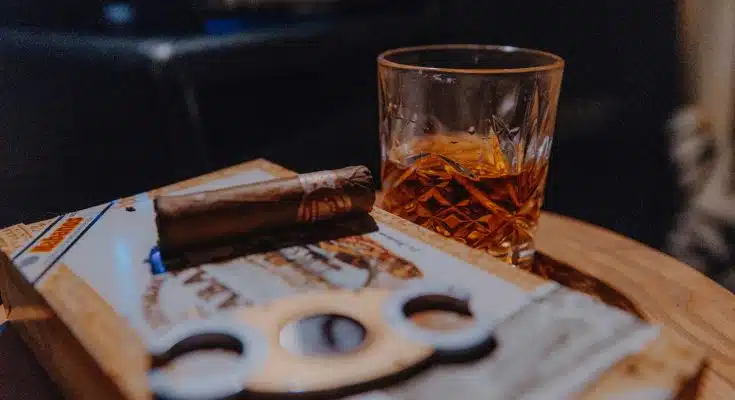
{"type": "Point", "coordinates": [83, 291]}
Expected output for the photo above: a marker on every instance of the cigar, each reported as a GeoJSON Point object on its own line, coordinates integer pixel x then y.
{"type": "Point", "coordinates": [211, 216]}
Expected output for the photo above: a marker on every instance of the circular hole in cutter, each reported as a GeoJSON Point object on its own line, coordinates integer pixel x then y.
{"type": "Point", "coordinates": [323, 335]}
{"type": "Point", "coordinates": [209, 359]}
{"type": "Point", "coordinates": [200, 343]}
{"type": "Point", "coordinates": [438, 312]}
{"type": "Point", "coordinates": [199, 354]}
{"type": "Point", "coordinates": [442, 317]}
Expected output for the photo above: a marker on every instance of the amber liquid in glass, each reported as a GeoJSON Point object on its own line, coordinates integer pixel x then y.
{"type": "Point", "coordinates": [464, 187]}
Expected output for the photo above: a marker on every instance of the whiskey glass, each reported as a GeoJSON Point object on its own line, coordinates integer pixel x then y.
{"type": "Point", "coordinates": [465, 133]}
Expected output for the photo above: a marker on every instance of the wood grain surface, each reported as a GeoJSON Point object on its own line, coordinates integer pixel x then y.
{"type": "Point", "coordinates": [662, 289]}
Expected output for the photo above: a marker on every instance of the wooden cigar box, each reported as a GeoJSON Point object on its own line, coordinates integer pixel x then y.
{"type": "Point", "coordinates": [378, 308]}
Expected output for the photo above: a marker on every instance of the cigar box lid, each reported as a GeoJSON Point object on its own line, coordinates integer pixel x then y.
{"type": "Point", "coordinates": [97, 277]}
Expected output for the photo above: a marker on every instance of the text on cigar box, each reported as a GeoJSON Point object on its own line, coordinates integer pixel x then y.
{"type": "Point", "coordinates": [50, 242]}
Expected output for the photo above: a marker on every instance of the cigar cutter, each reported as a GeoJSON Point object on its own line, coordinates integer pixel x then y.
{"type": "Point", "coordinates": [328, 343]}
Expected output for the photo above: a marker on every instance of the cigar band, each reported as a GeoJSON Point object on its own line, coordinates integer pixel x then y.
{"type": "Point", "coordinates": [322, 198]}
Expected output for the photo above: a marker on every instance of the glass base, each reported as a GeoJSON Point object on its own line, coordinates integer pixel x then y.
{"type": "Point", "coordinates": [520, 256]}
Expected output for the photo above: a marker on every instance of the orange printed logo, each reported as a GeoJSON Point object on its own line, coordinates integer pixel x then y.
{"type": "Point", "coordinates": [50, 242]}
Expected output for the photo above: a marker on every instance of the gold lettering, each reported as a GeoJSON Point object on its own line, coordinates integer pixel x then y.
{"type": "Point", "coordinates": [231, 301]}
{"type": "Point", "coordinates": [275, 258]}
{"type": "Point", "coordinates": [212, 290]}
{"type": "Point", "coordinates": [198, 277]}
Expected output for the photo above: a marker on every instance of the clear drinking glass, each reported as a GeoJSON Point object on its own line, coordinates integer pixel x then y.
{"type": "Point", "coordinates": [466, 132]}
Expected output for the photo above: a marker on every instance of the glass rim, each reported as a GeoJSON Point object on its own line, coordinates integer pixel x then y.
{"type": "Point", "coordinates": [556, 61]}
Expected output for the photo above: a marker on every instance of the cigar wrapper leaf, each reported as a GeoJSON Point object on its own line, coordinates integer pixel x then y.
{"type": "Point", "coordinates": [193, 219]}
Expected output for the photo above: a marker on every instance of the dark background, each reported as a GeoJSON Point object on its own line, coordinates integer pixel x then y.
{"type": "Point", "coordinates": [89, 112]}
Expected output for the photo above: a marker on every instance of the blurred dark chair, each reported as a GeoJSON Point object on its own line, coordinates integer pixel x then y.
{"type": "Point", "coordinates": [101, 99]}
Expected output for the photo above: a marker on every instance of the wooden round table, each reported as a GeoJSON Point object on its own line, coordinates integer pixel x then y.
{"type": "Point", "coordinates": [632, 276]}
{"type": "Point", "coordinates": [660, 289]}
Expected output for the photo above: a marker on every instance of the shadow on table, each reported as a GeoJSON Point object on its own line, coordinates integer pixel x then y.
{"type": "Point", "coordinates": [549, 268]}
